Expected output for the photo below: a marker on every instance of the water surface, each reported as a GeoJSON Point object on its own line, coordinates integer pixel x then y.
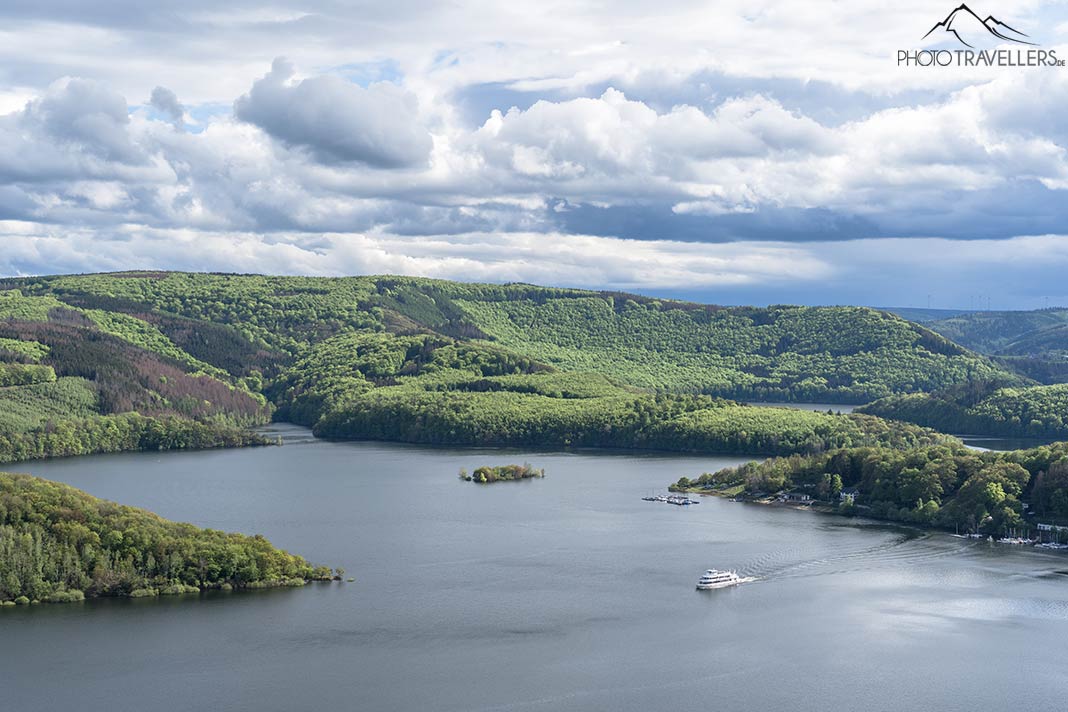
{"type": "Point", "coordinates": [819, 407]}
{"type": "Point", "coordinates": [567, 593]}
{"type": "Point", "coordinates": [987, 443]}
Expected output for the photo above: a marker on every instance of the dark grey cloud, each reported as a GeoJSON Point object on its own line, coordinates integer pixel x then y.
{"type": "Point", "coordinates": [88, 115]}
{"type": "Point", "coordinates": [1022, 207]}
{"type": "Point", "coordinates": [166, 102]}
{"type": "Point", "coordinates": [336, 120]}
{"type": "Point", "coordinates": [660, 222]}
{"type": "Point", "coordinates": [76, 130]}
{"type": "Point", "coordinates": [1017, 273]}
{"type": "Point", "coordinates": [15, 204]}
{"type": "Point", "coordinates": [1019, 207]}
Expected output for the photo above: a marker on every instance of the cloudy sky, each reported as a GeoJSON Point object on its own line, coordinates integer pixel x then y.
{"type": "Point", "coordinates": [737, 151]}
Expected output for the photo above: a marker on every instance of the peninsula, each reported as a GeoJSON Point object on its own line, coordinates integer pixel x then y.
{"type": "Point", "coordinates": [59, 544]}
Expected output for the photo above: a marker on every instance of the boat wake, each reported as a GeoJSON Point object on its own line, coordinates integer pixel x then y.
{"type": "Point", "coordinates": [902, 550]}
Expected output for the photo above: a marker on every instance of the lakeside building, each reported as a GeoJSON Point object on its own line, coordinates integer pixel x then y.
{"type": "Point", "coordinates": [849, 494]}
{"type": "Point", "coordinates": [1052, 532]}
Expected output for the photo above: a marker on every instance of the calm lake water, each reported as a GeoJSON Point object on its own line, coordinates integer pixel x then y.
{"type": "Point", "coordinates": [976, 442]}
{"type": "Point", "coordinates": [821, 407]}
{"type": "Point", "coordinates": [986, 442]}
{"type": "Point", "coordinates": [568, 593]}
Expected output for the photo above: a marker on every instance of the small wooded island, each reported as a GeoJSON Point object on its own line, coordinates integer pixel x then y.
{"type": "Point", "coordinates": [59, 544]}
{"type": "Point", "coordinates": [503, 473]}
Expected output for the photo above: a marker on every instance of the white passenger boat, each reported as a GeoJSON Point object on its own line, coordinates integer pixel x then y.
{"type": "Point", "coordinates": [714, 578]}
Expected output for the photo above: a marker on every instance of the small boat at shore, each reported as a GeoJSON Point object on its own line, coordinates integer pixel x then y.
{"type": "Point", "coordinates": [1015, 541]}
{"type": "Point", "coordinates": [714, 578]}
{"type": "Point", "coordinates": [676, 499]}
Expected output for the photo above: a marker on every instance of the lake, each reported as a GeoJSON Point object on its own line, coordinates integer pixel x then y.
{"type": "Point", "coordinates": [566, 593]}
{"type": "Point", "coordinates": [976, 442]}
{"type": "Point", "coordinates": [995, 444]}
{"type": "Point", "coordinates": [819, 407]}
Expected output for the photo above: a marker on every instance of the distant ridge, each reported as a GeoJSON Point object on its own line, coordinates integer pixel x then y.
{"type": "Point", "coordinates": [922, 315]}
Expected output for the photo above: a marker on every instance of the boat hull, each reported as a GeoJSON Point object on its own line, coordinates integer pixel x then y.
{"type": "Point", "coordinates": [722, 584]}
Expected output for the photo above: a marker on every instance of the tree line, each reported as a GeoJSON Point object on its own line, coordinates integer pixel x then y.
{"type": "Point", "coordinates": [944, 485]}
{"type": "Point", "coordinates": [60, 544]}
{"type": "Point", "coordinates": [981, 408]}
{"type": "Point", "coordinates": [120, 433]}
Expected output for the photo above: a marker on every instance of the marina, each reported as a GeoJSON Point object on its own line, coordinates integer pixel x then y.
{"type": "Point", "coordinates": [676, 499]}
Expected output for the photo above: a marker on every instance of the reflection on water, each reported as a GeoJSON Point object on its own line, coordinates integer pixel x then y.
{"type": "Point", "coordinates": [568, 593]}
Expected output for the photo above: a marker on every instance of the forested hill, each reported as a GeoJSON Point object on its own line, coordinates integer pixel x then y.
{"type": "Point", "coordinates": [837, 354]}
{"type": "Point", "coordinates": [921, 315]}
{"type": "Point", "coordinates": [432, 389]}
{"type": "Point", "coordinates": [247, 326]}
{"type": "Point", "coordinates": [1010, 333]}
{"type": "Point", "coordinates": [1032, 343]}
{"type": "Point", "coordinates": [405, 358]}
{"type": "Point", "coordinates": [1037, 411]}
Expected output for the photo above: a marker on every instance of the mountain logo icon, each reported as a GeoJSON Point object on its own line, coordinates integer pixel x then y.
{"type": "Point", "coordinates": [970, 30]}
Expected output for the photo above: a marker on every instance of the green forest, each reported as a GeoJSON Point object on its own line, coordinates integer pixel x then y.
{"type": "Point", "coordinates": [59, 544]}
{"type": "Point", "coordinates": [983, 409]}
{"type": "Point", "coordinates": [161, 360]}
{"type": "Point", "coordinates": [1031, 343]}
{"type": "Point", "coordinates": [1019, 333]}
{"type": "Point", "coordinates": [488, 474]}
{"type": "Point", "coordinates": [836, 354]}
{"type": "Point", "coordinates": [443, 362]}
{"type": "Point", "coordinates": [435, 390]}
{"type": "Point", "coordinates": [946, 485]}
{"type": "Point", "coordinates": [120, 433]}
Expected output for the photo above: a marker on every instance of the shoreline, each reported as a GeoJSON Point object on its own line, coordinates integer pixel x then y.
{"type": "Point", "coordinates": [174, 591]}
{"type": "Point", "coordinates": [864, 513]}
